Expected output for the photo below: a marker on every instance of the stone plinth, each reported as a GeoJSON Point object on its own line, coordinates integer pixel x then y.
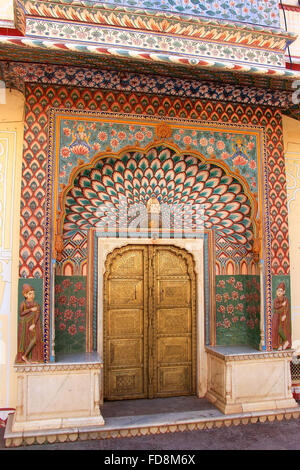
{"type": "Point", "coordinates": [241, 379]}
{"type": "Point", "coordinates": [59, 395]}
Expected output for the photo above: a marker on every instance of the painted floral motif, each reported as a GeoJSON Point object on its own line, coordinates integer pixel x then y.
{"type": "Point", "coordinates": [154, 42]}
{"type": "Point", "coordinates": [70, 313]}
{"type": "Point", "coordinates": [249, 11]}
{"type": "Point", "coordinates": [85, 139]}
{"type": "Point", "coordinates": [237, 310]}
{"type": "Point", "coordinates": [77, 76]}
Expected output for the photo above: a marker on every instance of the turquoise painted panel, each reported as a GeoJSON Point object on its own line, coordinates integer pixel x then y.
{"type": "Point", "coordinates": [264, 13]}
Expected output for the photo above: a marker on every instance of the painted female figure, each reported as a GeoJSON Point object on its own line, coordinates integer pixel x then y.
{"type": "Point", "coordinates": [281, 321]}
{"type": "Point", "coordinates": [29, 337]}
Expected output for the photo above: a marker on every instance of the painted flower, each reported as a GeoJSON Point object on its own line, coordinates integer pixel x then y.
{"type": "Point", "coordinates": [221, 309]}
{"type": "Point", "coordinates": [68, 315]}
{"type": "Point", "coordinates": [121, 135]}
{"type": "Point", "coordinates": [113, 132]}
{"type": "Point", "coordinates": [96, 146]}
{"type": "Point", "coordinates": [65, 152]}
{"type": "Point", "coordinates": [58, 289]}
{"type": "Point", "coordinates": [66, 283]}
{"type": "Point", "coordinates": [139, 136]}
{"type": "Point", "coordinates": [78, 314]}
{"type": "Point", "coordinates": [67, 131]}
{"type": "Point", "coordinates": [250, 145]}
{"type": "Point", "coordinates": [81, 301]}
{"type": "Point", "coordinates": [218, 298]}
{"type": "Point", "coordinates": [227, 323]}
{"type": "Point", "coordinates": [72, 330]}
{"type": "Point", "coordinates": [210, 150]}
{"type": "Point", "coordinates": [252, 164]}
{"type": "Point", "coordinates": [235, 319]}
{"type": "Point", "coordinates": [224, 155]}
{"type": "Point", "coordinates": [102, 136]}
{"type": "Point", "coordinates": [80, 149]}
{"type": "Point", "coordinates": [187, 140]}
{"type": "Point", "coordinates": [220, 145]}
{"type": "Point", "coordinates": [149, 134]}
{"type": "Point", "coordinates": [234, 294]}
{"type": "Point", "coordinates": [239, 160]}
{"type": "Point", "coordinates": [230, 309]}
{"type": "Point", "coordinates": [78, 286]}
{"type": "Point", "coordinates": [177, 137]}
{"type": "Point", "coordinates": [226, 296]}
{"type": "Point", "coordinates": [239, 285]}
{"type": "Point", "coordinates": [73, 300]}
{"type": "Point", "coordinates": [62, 326]}
{"type": "Point", "coordinates": [221, 284]}
{"type": "Point", "coordinates": [203, 142]}
{"type": "Point", "coordinates": [114, 143]}
{"type": "Point", "coordinates": [231, 281]}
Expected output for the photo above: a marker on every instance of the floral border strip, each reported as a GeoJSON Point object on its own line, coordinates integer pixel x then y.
{"type": "Point", "coordinates": [141, 83]}
{"type": "Point", "coordinates": [154, 43]}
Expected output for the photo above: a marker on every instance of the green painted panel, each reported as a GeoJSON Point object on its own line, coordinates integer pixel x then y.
{"type": "Point", "coordinates": [237, 310]}
{"type": "Point", "coordinates": [70, 314]}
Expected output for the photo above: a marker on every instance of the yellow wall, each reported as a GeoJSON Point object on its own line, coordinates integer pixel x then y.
{"type": "Point", "coordinates": [11, 146]}
{"type": "Point", "coordinates": [6, 10]}
{"type": "Point", "coordinates": [291, 136]}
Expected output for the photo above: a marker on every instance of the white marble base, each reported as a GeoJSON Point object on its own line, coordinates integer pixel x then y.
{"type": "Point", "coordinates": [241, 380]}
{"type": "Point", "coordinates": [59, 395]}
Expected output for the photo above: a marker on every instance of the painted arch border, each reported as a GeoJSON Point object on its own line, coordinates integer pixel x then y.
{"type": "Point", "coordinates": [52, 194]}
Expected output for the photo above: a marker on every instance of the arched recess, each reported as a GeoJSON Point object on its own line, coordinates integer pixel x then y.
{"type": "Point", "coordinates": [174, 176]}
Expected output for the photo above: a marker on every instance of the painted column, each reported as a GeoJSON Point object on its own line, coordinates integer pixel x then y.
{"type": "Point", "coordinates": [11, 146]}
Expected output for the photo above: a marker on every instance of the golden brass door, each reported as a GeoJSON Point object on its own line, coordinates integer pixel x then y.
{"type": "Point", "coordinates": [149, 323]}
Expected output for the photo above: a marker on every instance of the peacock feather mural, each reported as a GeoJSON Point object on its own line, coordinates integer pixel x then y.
{"type": "Point", "coordinates": [100, 194]}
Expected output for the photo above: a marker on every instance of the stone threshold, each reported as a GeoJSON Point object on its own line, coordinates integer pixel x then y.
{"type": "Point", "coordinates": [142, 425]}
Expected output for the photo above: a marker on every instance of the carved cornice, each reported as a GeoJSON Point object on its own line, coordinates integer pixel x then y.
{"type": "Point", "coordinates": [248, 356]}
{"type": "Point", "coordinates": [160, 22]}
{"type": "Point", "coordinates": [56, 366]}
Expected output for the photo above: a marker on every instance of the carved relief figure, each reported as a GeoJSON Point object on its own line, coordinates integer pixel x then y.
{"type": "Point", "coordinates": [29, 335]}
{"type": "Point", "coordinates": [281, 334]}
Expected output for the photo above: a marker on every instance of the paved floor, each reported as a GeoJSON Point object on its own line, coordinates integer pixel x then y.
{"type": "Point", "coordinates": [276, 435]}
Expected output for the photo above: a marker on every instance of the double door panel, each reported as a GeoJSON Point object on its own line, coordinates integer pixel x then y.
{"type": "Point", "coordinates": [149, 328]}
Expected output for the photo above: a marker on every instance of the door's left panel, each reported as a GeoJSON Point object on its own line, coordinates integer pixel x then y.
{"type": "Point", "coordinates": [125, 311]}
